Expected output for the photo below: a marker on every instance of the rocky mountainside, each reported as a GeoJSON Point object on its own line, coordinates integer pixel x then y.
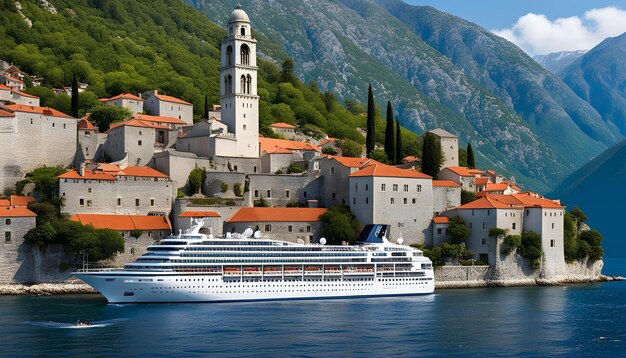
{"type": "Point", "coordinates": [599, 78]}
{"type": "Point", "coordinates": [445, 72]}
{"type": "Point", "coordinates": [557, 61]}
{"type": "Point", "coordinates": [597, 188]}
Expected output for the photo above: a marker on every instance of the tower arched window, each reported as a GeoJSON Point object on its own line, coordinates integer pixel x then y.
{"type": "Point", "coordinates": [249, 84]}
{"type": "Point", "coordinates": [243, 84]}
{"type": "Point", "coordinates": [229, 55]}
{"type": "Point", "coordinates": [228, 84]}
{"type": "Point", "coordinates": [243, 31]}
{"type": "Point", "coordinates": [245, 55]}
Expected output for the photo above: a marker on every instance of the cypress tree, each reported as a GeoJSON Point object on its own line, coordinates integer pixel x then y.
{"type": "Point", "coordinates": [370, 139]}
{"type": "Point", "coordinates": [390, 145]}
{"type": "Point", "coordinates": [426, 156]}
{"type": "Point", "coordinates": [470, 157]}
{"type": "Point", "coordinates": [431, 155]}
{"type": "Point", "coordinates": [74, 97]}
{"type": "Point", "coordinates": [206, 106]}
{"type": "Point", "coordinates": [399, 154]}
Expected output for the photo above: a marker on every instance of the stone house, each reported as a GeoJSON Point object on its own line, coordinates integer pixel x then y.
{"type": "Point", "coordinates": [402, 198]}
{"type": "Point", "coordinates": [11, 96]}
{"type": "Point", "coordinates": [446, 195]}
{"type": "Point", "coordinates": [12, 82]}
{"type": "Point", "coordinates": [136, 141]}
{"type": "Point", "coordinates": [15, 221]}
{"type": "Point", "coordinates": [89, 141]}
{"type": "Point", "coordinates": [125, 100]}
{"type": "Point", "coordinates": [34, 136]}
{"type": "Point", "coordinates": [440, 231]}
{"type": "Point", "coordinates": [153, 228]}
{"type": "Point", "coordinates": [449, 147]}
{"type": "Point", "coordinates": [278, 154]}
{"type": "Point", "coordinates": [289, 224]}
{"type": "Point", "coordinates": [156, 104]}
{"type": "Point", "coordinates": [334, 173]}
{"type": "Point", "coordinates": [503, 187]}
{"type": "Point", "coordinates": [461, 175]}
{"type": "Point", "coordinates": [286, 129]}
{"type": "Point", "coordinates": [284, 189]}
{"type": "Point", "coordinates": [111, 189]}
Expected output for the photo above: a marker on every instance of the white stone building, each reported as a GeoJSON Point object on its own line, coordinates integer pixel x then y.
{"type": "Point", "coordinates": [461, 175]}
{"type": "Point", "coordinates": [112, 189]}
{"type": "Point", "coordinates": [334, 172]}
{"type": "Point", "coordinates": [167, 106]}
{"type": "Point", "coordinates": [12, 82]}
{"type": "Point", "coordinates": [31, 137]}
{"type": "Point", "coordinates": [402, 198]}
{"type": "Point", "coordinates": [290, 224]}
{"type": "Point", "coordinates": [15, 221]}
{"type": "Point", "coordinates": [278, 154]}
{"type": "Point", "coordinates": [125, 100]}
{"type": "Point", "coordinates": [11, 96]}
{"type": "Point", "coordinates": [446, 195]}
{"type": "Point", "coordinates": [286, 129]}
{"type": "Point", "coordinates": [136, 140]}
{"type": "Point", "coordinates": [449, 147]}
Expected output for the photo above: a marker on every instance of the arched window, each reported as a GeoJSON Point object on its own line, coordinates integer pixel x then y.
{"type": "Point", "coordinates": [7, 221]}
{"type": "Point", "coordinates": [243, 31]}
{"type": "Point", "coordinates": [231, 31]}
{"type": "Point", "coordinates": [228, 84]}
{"type": "Point", "coordinates": [243, 84]}
{"type": "Point", "coordinates": [245, 55]}
{"type": "Point", "coordinates": [229, 55]}
{"type": "Point", "coordinates": [249, 84]}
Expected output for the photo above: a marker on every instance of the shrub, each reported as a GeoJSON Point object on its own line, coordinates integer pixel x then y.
{"type": "Point", "coordinates": [195, 180]}
{"type": "Point", "coordinates": [292, 204]}
{"type": "Point", "coordinates": [279, 172]}
{"type": "Point", "coordinates": [237, 189]}
{"type": "Point", "coordinates": [594, 239]}
{"type": "Point", "coordinates": [294, 169]}
{"type": "Point", "coordinates": [458, 231]}
{"type": "Point", "coordinates": [180, 194]}
{"type": "Point", "coordinates": [261, 203]}
{"type": "Point", "coordinates": [497, 232]}
{"type": "Point", "coordinates": [510, 243]}
{"type": "Point", "coordinates": [136, 233]}
{"type": "Point", "coordinates": [530, 248]}
{"type": "Point", "coordinates": [223, 187]}
{"type": "Point", "coordinates": [467, 197]}
{"type": "Point", "coordinates": [570, 239]}
{"type": "Point", "coordinates": [340, 225]}
{"type": "Point", "coordinates": [329, 150]}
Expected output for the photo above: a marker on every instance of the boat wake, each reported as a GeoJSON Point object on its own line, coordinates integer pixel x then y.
{"type": "Point", "coordinates": [64, 325]}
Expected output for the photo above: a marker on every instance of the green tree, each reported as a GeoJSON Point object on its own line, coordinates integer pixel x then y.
{"type": "Point", "coordinates": [510, 243]}
{"type": "Point", "coordinates": [399, 152]}
{"type": "Point", "coordinates": [458, 231]}
{"type": "Point", "coordinates": [579, 216]}
{"type": "Point", "coordinates": [462, 157]}
{"type": "Point", "coordinates": [349, 148]}
{"type": "Point", "coordinates": [97, 245]}
{"type": "Point", "coordinates": [329, 150]}
{"type": "Point", "coordinates": [41, 235]}
{"type": "Point", "coordinates": [340, 225]}
{"type": "Point", "coordinates": [370, 138]}
{"type": "Point", "coordinates": [261, 203]}
{"type": "Point", "coordinates": [237, 189]}
{"type": "Point", "coordinates": [467, 196]}
{"type": "Point", "coordinates": [531, 248]}
{"type": "Point", "coordinates": [287, 73]}
{"type": "Point", "coordinates": [380, 155]}
{"type": "Point", "coordinates": [205, 114]}
{"type": "Point", "coordinates": [390, 135]}
{"type": "Point", "coordinates": [570, 238]}
{"type": "Point", "coordinates": [136, 233]}
{"type": "Point", "coordinates": [103, 116]}
{"type": "Point", "coordinates": [471, 163]}
{"type": "Point", "coordinates": [75, 97]}
{"type": "Point", "coordinates": [45, 179]}
{"type": "Point", "coordinates": [329, 101]}
{"type": "Point", "coordinates": [594, 239]}
{"type": "Point", "coordinates": [46, 212]}
{"type": "Point", "coordinates": [294, 169]}
{"type": "Point", "coordinates": [195, 180]}
{"type": "Point", "coordinates": [432, 158]}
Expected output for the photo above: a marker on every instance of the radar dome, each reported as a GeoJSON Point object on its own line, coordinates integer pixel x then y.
{"type": "Point", "coordinates": [257, 234]}
{"type": "Point", "coordinates": [323, 241]}
{"type": "Point", "coordinates": [400, 241]}
{"type": "Point", "coordinates": [248, 232]}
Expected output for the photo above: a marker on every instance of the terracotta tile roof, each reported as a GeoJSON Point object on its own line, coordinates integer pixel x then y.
{"type": "Point", "coordinates": [441, 220]}
{"type": "Point", "coordinates": [276, 215]}
{"type": "Point", "coordinates": [350, 162]}
{"type": "Point", "coordinates": [492, 172]}
{"type": "Point", "coordinates": [462, 171]}
{"type": "Point", "coordinates": [83, 123]}
{"type": "Point", "coordinates": [199, 214]}
{"type": "Point", "coordinates": [282, 125]}
{"type": "Point", "coordinates": [382, 170]}
{"type": "Point", "coordinates": [47, 111]}
{"type": "Point", "coordinates": [447, 183]}
{"type": "Point", "coordinates": [411, 159]}
{"type": "Point", "coordinates": [496, 187]}
{"type": "Point", "coordinates": [328, 140]}
{"type": "Point", "coordinates": [5, 88]}
{"type": "Point", "coordinates": [142, 172]}
{"type": "Point", "coordinates": [89, 174]}
{"type": "Point", "coordinates": [13, 212]}
{"type": "Point", "coordinates": [136, 123]}
{"type": "Point", "coordinates": [280, 151]}
{"type": "Point", "coordinates": [124, 222]}
{"type": "Point", "coordinates": [268, 144]}
{"type": "Point", "coordinates": [525, 200]}
{"type": "Point", "coordinates": [530, 201]}
{"type": "Point", "coordinates": [11, 78]}
{"type": "Point", "coordinates": [6, 114]}
{"type": "Point", "coordinates": [158, 119]}
{"type": "Point", "coordinates": [165, 98]}
{"type": "Point", "coordinates": [122, 96]}
{"type": "Point", "coordinates": [111, 171]}
{"type": "Point", "coordinates": [21, 200]}
{"type": "Point", "coordinates": [5, 202]}
{"type": "Point", "coordinates": [24, 94]}
{"type": "Point", "coordinates": [481, 181]}
{"type": "Point", "coordinates": [488, 203]}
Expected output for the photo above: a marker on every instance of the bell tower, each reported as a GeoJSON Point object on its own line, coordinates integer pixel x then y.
{"type": "Point", "coordinates": [238, 84]}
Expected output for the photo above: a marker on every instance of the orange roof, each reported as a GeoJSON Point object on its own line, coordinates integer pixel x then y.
{"type": "Point", "coordinates": [350, 162]}
{"type": "Point", "coordinates": [410, 159]}
{"type": "Point", "coordinates": [158, 119]}
{"type": "Point", "coordinates": [111, 171]}
{"type": "Point", "coordinates": [448, 183]}
{"type": "Point", "coordinates": [21, 200]}
{"type": "Point", "coordinates": [481, 181]}
{"type": "Point", "coordinates": [12, 211]}
{"type": "Point", "coordinates": [462, 171]}
{"type": "Point", "coordinates": [382, 170]}
{"type": "Point", "coordinates": [268, 144]}
{"type": "Point", "coordinates": [5, 202]}
{"type": "Point", "coordinates": [488, 203]}
{"type": "Point", "coordinates": [165, 98]}
{"type": "Point", "coordinates": [89, 174]}
{"type": "Point", "coordinates": [47, 111]}
{"type": "Point", "coordinates": [24, 94]}
{"type": "Point", "coordinates": [83, 123]}
{"type": "Point", "coordinates": [6, 114]}
{"type": "Point", "coordinates": [441, 220]}
{"type": "Point", "coordinates": [531, 201]}
{"type": "Point", "coordinates": [282, 125]}
{"type": "Point", "coordinates": [492, 172]}
{"type": "Point", "coordinates": [136, 123]}
{"type": "Point", "coordinates": [280, 151]}
{"type": "Point", "coordinates": [328, 140]}
{"type": "Point", "coordinates": [122, 96]}
{"type": "Point", "coordinates": [124, 222]}
{"type": "Point", "coordinates": [11, 77]}
{"type": "Point", "coordinates": [5, 88]}
{"type": "Point", "coordinates": [199, 214]}
{"type": "Point", "coordinates": [142, 172]}
{"type": "Point", "coordinates": [496, 187]}
{"type": "Point", "coordinates": [276, 215]}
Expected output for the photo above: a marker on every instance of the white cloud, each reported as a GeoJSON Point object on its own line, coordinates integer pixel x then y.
{"type": "Point", "coordinates": [536, 34]}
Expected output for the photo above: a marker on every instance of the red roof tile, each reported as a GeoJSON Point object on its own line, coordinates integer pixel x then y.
{"type": "Point", "coordinates": [441, 220]}
{"type": "Point", "coordinates": [47, 111]}
{"type": "Point", "coordinates": [136, 123]}
{"type": "Point", "coordinates": [199, 214]}
{"type": "Point", "coordinates": [6, 114]}
{"type": "Point", "coordinates": [481, 181]}
{"type": "Point", "coordinates": [269, 144]}
{"type": "Point", "coordinates": [124, 222]}
{"type": "Point", "coordinates": [83, 123]}
{"type": "Point", "coordinates": [462, 171]}
{"type": "Point", "coordinates": [382, 170]}
{"type": "Point", "coordinates": [158, 119]}
{"type": "Point", "coordinates": [111, 171]}
{"type": "Point", "coordinates": [5, 202]}
{"type": "Point", "coordinates": [24, 94]}
{"type": "Point", "coordinates": [12, 211]}
{"type": "Point", "coordinates": [328, 140]}
{"type": "Point", "coordinates": [350, 162]}
{"type": "Point", "coordinates": [122, 96]}
{"type": "Point", "coordinates": [277, 215]}
{"type": "Point", "coordinates": [282, 125]}
{"type": "Point", "coordinates": [448, 183]}
{"type": "Point", "coordinates": [142, 172]}
{"type": "Point", "coordinates": [21, 200]}
{"type": "Point", "coordinates": [488, 203]}
{"type": "Point", "coordinates": [165, 98]}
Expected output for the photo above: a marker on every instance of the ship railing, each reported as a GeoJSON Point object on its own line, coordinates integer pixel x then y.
{"type": "Point", "coordinates": [105, 269]}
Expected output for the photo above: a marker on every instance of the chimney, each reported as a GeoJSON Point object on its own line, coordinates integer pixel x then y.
{"type": "Point", "coordinates": [81, 169]}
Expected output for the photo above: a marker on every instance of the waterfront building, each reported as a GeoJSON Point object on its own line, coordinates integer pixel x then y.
{"type": "Point", "coordinates": [15, 221]}
{"type": "Point", "coordinates": [212, 221]}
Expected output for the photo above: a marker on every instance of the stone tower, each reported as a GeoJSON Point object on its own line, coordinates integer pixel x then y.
{"type": "Point", "coordinates": [238, 84]}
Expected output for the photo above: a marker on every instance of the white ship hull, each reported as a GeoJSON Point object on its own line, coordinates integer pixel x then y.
{"type": "Point", "coordinates": [145, 288]}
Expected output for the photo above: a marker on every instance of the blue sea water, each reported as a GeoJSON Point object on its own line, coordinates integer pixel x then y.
{"type": "Point", "coordinates": [576, 320]}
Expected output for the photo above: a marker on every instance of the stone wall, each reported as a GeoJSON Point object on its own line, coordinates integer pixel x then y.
{"type": "Point", "coordinates": [284, 188]}
{"type": "Point", "coordinates": [213, 184]}
{"type": "Point", "coordinates": [13, 250]}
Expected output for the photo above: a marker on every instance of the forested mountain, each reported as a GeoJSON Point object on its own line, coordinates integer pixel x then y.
{"type": "Point", "coordinates": [438, 70]}
{"type": "Point", "coordinates": [599, 78]}
{"type": "Point", "coordinates": [597, 188]}
{"type": "Point", "coordinates": [557, 61]}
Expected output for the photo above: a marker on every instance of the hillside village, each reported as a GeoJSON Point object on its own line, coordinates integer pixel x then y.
{"type": "Point", "coordinates": [134, 177]}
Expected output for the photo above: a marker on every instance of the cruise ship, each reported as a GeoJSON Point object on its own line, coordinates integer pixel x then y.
{"type": "Point", "coordinates": [193, 267]}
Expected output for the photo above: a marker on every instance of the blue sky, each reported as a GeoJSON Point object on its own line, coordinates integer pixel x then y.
{"type": "Point", "coordinates": [542, 26]}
